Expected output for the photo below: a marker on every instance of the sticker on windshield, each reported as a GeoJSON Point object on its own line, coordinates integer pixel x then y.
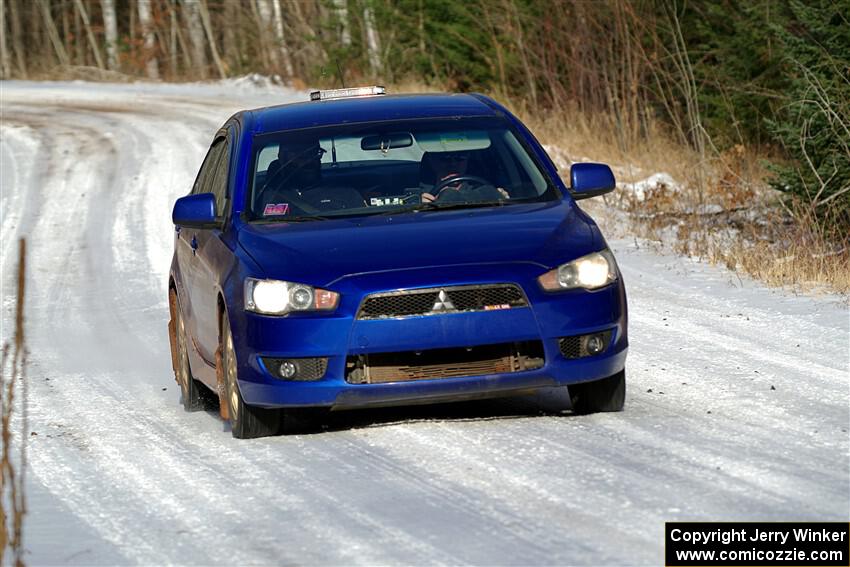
{"type": "Point", "coordinates": [276, 209]}
{"type": "Point", "coordinates": [382, 202]}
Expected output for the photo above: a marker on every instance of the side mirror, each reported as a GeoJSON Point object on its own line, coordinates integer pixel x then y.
{"type": "Point", "coordinates": [195, 211]}
{"type": "Point", "coordinates": [590, 180]}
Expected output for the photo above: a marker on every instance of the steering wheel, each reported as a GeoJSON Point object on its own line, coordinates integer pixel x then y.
{"type": "Point", "coordinates": [455, 179]}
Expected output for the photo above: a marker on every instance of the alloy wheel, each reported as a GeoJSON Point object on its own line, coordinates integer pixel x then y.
{"type": "Point", "coordinates": [230, 377]}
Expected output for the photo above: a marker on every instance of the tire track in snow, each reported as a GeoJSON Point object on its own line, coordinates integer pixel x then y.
{"type": "Point", "coordinates": [108, 454]}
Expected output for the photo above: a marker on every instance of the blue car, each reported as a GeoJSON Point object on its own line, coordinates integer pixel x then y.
{"type": "Point", "coordinates": [361, 249]}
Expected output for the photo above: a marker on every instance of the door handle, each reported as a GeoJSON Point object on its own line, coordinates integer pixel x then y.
{"type": "Point", "coordinates": [194, 245]}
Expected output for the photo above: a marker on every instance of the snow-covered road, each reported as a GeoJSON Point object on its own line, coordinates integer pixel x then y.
{"type": "Point", "coordinates": [738, 402]}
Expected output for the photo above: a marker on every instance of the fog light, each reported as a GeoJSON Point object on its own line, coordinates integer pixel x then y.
{"type": "Point", "coordinates": [287, 369]}
{"type": "Point", "coordinates": [579, 346]}
{"type": "Point", "coordinates": [595, 344]}
{"type": "Point", "coordinates": [296, 369]}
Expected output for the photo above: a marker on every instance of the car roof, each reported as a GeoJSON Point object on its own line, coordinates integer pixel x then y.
{"type": "Point", "coordinates": [310, 114]}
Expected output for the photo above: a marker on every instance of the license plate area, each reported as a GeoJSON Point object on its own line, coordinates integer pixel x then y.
{"type": "Point", "coordinates": [503, 358]}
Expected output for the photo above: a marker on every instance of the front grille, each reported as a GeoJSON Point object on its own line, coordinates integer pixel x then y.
{"type": "Point", "coordinates": [400, 305]}
{"type": "Point", "coordinates": [438, 301]}
{"type": "Point", "coordinates": [444, 363]}
{"type": "Point", "coordinates": [479, 298]}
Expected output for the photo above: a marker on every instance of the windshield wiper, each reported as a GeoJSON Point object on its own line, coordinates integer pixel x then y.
{"type": "Point", "coordinates": [432, 206]}
{"type": "Point", "coordinates": [300, 218]}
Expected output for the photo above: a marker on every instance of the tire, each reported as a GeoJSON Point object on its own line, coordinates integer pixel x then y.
{"type": "Point", "coordinates": [608, 394]}
{"type": "Point", "coordinates": [246, 422]}
{"type": "Point", "coordinates": [192, 393]}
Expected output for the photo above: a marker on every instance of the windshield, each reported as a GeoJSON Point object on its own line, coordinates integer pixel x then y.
{"type": "Point", "coordinates": [391, 167]}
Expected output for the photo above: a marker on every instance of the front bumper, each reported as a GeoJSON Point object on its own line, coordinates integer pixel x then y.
{"type": "Point", "coordinates": [339, 335]}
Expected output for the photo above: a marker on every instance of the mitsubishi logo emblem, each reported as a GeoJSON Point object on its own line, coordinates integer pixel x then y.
{"type": "Point", "coordinates": [443, 302]}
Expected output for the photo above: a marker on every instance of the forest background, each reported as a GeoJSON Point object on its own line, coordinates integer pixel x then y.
{"type": "Point", "coordinates": [744, 105]}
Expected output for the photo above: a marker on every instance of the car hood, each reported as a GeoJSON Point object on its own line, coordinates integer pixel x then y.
{"type": "Point", "coordinates": [322, 252]}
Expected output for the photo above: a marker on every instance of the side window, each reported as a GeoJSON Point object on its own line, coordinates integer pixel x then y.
{"type": "Point", "coordinates": [202, 182]}
{"type": "Point", "coordinates": [218, 181]}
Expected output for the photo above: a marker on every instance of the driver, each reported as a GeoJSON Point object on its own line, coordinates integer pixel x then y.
{"type": "Point", "coordinates": [444, 166]}
{"type": "Point", "coordinates": [298, 167]}
{"type": "Point", "coordinates": [295, 178]}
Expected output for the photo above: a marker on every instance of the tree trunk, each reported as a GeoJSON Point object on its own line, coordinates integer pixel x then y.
{"type": "Point", "coordinates": [263, 13]}
{"type": "Point", "coordinates": [373, 44]}
{"type": "Point", "coordinates": [192, 13]}
{"type": "Point", "coordinates": [205, 18]}
{"type": "Point", "coordinates": [340, 8]}
{"type": "Point", "coordinates": [523, 53]}
{"type": "Point", "coordinates": [182, 44]}
{"type": "Point", "coordinates": [92, 41]}
{"type": "Point", "coordinates": [131, 35]}
{"type": "Point", "coordinates": [66, 34]}
{"type": "Point", "coordinates": [231, 51]}
{"type": "Point", "coordinates": [173, 38]}
{"type": "Point", "coordinates": [79, 44]}
{"type": "Point", "coordinates": [5, 61]}
{"type": "Point", "coordinates": [146, 23]}
{"type": "Point", "coordinates": [17, 35]}
{"type": "Point", "coordinates": [311, 51]}
{"type": "Point", "coordinates": [281, 39]}
{"type": "Point", "coordinates": [53, 34]}
{"type": "Point", "coordinates": [110, 24]}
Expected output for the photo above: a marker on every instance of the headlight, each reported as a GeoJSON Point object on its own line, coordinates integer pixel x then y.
{"type": "Point", "coordinates": [274, 297]}
{"type": "Point", "coordinates": [589, 272]}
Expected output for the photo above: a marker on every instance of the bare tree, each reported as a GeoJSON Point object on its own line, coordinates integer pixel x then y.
{"type": "Point", "coordinates": [309, 51]}
{"type": "Point", "coordinates": [146, 22]}
{"type": "Point", "coordinates": [373, 43]}
{"type": "Point", "coordinates": [192, 12]}
{"type": "Point", "coordinates": [110, 23]}
{"type": "Point", "coordinates": [517, 33]}
{"type": "Point", "coordinates": [17, 34]}
{"type": "Point", "coordinates": [81, 9]}
{"type": "Point", "coordinates": [53, 34]}
{"type": "Point", "coordinates": [205, 18]}
{"type": "Point", "coordinates": [281, 39]}
{"type": "Point", "coordinates": [340, 8]}
{"type": "Point", "coordinates": [263, 15]}
{"type": "Point", "coordinates": [5, 63]}
{"type": "Point", "coordinates": [232, 38]}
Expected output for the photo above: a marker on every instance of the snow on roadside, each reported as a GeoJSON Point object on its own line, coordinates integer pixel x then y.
{"type": "Point", "coordinates": [639, 190]}
{"type": "Point", "coordinates": [655, 182]}
{"type": "Point", "coordinates": [252, 82]}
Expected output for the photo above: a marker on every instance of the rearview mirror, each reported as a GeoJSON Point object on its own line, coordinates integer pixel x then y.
{"type": "Point", "coordinates": [195, 211]}
{"type": "Point", "coordinates": [387, 141]}
{"type": "Point", "coordinates": [590, 180]}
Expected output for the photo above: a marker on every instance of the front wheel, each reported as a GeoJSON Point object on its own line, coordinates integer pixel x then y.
{"type": "Point", "coordinates": [191, 392]}
{"type": "Point", "coordinates": [246, 422]}
{"type": "Point", "coordinates": [608, 394]}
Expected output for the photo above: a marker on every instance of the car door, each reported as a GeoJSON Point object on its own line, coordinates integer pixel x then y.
{"type": "Point", "coordinates": [214, 255]}
{"type": "Point", "coordinates": [188, 243]}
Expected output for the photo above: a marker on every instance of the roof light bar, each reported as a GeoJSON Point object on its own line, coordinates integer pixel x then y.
{"type": "Point", "coordinates": [346, 93]}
